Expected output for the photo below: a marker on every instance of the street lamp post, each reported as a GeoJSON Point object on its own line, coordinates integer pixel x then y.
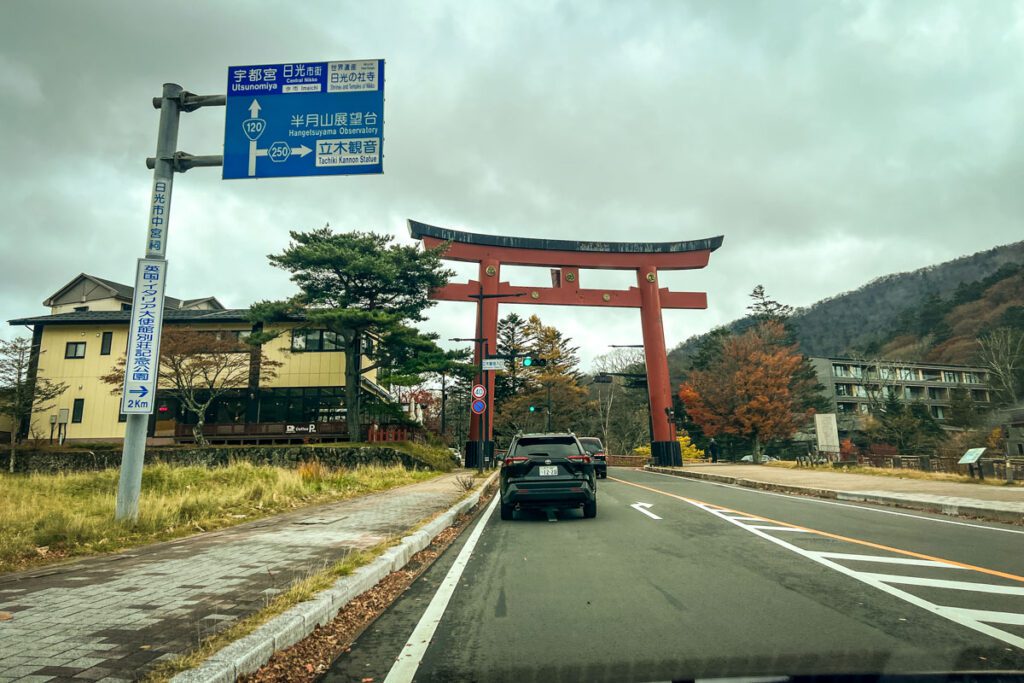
{"type": "Point", "coordinates": [480, 417]}
{"type": "Point", "coordinates": [482, 430]}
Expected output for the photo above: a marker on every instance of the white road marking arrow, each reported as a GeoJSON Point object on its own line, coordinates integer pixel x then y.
{"type": "Point", "coordinates": [644, 508]}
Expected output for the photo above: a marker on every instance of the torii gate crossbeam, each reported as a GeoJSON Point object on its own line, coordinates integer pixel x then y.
{"type": "Point", "coordinates": [566, 258]}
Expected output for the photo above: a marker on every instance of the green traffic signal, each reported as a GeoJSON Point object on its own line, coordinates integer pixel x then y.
{"type": "Point", "coordinates": [533, 409]}
{"type": "Point", "coordinates": [530, 361]}
{"type": "Point", "coordinates": [527, 362]}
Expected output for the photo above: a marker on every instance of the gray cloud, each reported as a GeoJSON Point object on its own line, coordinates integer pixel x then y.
{"type": "Point", "coordinates": [830, 142]}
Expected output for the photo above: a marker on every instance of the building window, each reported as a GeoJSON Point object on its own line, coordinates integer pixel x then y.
{"type": "Point", "coordinates": [81, 309]}
{"type": "Point", "coordinates": [979, 395]}
{"type": "Point", "coordinates": [938, 393]}
{"type": "Point", "coordinates": [840, 371]}
{"type": "Point", "coordinates": [971, 378]}
{"type": "Point", "coordinates": [77, 409]}
{"type": "Point", "coordinates": [857, 371]}
{"type": "Point", "coordinates": [74, 350]}
{"type": "Point", "coordinates": [316, 340]}
{"type": "Point", "coordinates": [913, 393]}
{"type": "Point", "coordinates": [886, 373]}
{"type": "Point", "coordinates": [126, 307]}
{"type": "Point", "coordinates": [842, 390]}
{"type": "Point", "coordinates": [1020, 449]}
{"type": "Point", "coordinates": [907, 373]}
{"type": "Point", "coordinates": [938, 413]}
{"type": "Point", "coordinates": [950, 377]}
{"type": "Point", "coordinates": [108, 337]}
{"type": "Point", "coordinates": [859, 391]}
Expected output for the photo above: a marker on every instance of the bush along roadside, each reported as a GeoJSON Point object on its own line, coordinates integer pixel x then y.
{"type": "Point", "coordinates": [409, 455]}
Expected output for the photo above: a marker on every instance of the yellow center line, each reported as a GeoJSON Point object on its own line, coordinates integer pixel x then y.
{"type": "Point", "coordinates": [869, 544]}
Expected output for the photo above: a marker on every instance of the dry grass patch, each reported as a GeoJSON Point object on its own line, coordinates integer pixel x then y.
{"type": "Point", "coordinates": [48, 517]}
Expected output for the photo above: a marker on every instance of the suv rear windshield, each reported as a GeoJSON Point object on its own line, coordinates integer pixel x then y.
{"type": "Point", "coordinates": [592, 445]}
{"type": "Point", "coordinates": [557, 446]}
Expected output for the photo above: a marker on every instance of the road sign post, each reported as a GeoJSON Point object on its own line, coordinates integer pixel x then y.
{"type": "Point", "coordinates": [146, 346]}
{"type": "Point", "coordinates": [304, 118]}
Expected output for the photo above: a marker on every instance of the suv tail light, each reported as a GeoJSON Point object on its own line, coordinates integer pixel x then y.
{"type": "Point", "coordinates": [512, 460]}
{"type": "Point", "coordinates": [579, 458]}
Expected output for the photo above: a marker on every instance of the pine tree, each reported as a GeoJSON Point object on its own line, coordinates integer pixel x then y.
{"type": "Point", "coordinates": [513, 342]}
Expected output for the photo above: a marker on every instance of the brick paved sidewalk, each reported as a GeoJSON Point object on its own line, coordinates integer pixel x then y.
{"type": "Point", "coordinates": [110, 618]}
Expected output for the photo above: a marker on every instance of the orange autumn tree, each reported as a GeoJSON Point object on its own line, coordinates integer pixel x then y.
{"type": "Point", "coordinates": [751, 389]}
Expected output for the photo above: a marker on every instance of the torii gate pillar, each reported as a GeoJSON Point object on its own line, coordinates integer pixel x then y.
{"type": "Point", "coordinates": [566, 258]}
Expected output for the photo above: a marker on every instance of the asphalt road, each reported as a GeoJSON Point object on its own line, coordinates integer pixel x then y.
{"type": "Point", "coordinates": [728, 582]}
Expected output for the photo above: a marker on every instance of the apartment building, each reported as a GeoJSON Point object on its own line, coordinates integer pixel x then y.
{"type": "Point", "coordinates": [86, 333]}
{"type": "Point", "coordinates": [851, 385]}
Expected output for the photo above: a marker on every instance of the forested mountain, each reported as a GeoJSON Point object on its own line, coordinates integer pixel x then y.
{"type": "Point", "coordinates": [933, 313]}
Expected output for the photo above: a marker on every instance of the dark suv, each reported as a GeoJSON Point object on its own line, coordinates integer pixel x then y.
{"type": "Point", "coordinates": [595, 449]}
{"type": "Point", "coordinates": [547, 471]}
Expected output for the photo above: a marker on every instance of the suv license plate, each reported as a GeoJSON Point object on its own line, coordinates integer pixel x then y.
{"type": "Point", "coordinates": [548, 470]}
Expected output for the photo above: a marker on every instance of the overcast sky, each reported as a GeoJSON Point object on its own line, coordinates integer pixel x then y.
{"type": "Point", "coordinates": [830, 142]}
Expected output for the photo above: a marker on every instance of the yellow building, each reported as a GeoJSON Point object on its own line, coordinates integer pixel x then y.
{"type": "Point", "coordinates": [86, 334]}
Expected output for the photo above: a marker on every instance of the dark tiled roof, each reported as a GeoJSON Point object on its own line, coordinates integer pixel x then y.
{"type": "Point", "coordinates": [170, 315]}
{"type": "Point", "coordinates": [122, 290]}
{"type": "Point", "coordinates": [191, 302]}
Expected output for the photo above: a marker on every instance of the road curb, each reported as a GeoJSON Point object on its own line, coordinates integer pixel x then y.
{"type": "Point", "coordinates": [990, 514]}
{"type": "Point", "coordinates": [249, 653]}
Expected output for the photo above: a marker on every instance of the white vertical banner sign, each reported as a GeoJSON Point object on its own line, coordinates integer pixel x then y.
{"type": "Point", "coordinates": [140, 377]}
{"type": "Point", "coordinates": [828, 432]}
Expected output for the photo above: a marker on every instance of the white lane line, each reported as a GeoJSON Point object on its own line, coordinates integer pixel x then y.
{"type": "Point", "coordinates": [1010, 618]}
{"type": "Point", "coordinates": [764, 527]}
{"type": "Point", "coordinates": [953, 614]}
{"type": "Point", "coordinates": [942, 583]}
{"type": "Point", "coordinates": [833, 502]}
{"type": "Point", "coordinates": [411, 655]}
{"type": "Point", "coordinates": [888, 560]}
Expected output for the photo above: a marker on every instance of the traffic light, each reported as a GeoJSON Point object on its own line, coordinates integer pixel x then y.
{"type": "Point", "coordinates": [531, 362]}
{"type": "Point", "coordinates": [533, 409]}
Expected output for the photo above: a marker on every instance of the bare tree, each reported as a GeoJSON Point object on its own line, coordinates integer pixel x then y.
{"type": "Point", "coordinates": [20, 394]}
{"type": "Point", "coordinates": [1002, 352]}
{"type": "Point", "coordinates": [619, 360]}
{"type": "Point", "coordinates": [199, 366]}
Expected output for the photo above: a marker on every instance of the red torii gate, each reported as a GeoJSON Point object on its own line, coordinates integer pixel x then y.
{"type": "Point", "coordinates": [568, 256]}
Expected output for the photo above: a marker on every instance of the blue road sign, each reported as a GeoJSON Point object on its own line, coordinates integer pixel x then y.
{"type": "Point", "coordinates": [305, 118]}
{"type": "Point", "coordinates": [478, 407]}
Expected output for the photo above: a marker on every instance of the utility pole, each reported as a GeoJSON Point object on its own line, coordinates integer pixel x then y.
{"type": "Point", "coordinates": [549, 408]}
{"type": "Point", "coordinates": [483, 433]}
{"type": "Point", "coordinates": [171, 103]}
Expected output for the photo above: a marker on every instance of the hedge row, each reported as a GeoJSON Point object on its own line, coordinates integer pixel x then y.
{"type": "Point", "coordinates": [49, 461]}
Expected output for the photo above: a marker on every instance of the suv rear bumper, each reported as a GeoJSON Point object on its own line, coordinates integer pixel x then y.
{"type": "Point", "coordinates": [547, 494]}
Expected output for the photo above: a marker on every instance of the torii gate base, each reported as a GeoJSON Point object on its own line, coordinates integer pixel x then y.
{"type": "Point", "coordinates": [566, 258]}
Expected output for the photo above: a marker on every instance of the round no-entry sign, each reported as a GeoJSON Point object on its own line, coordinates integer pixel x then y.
{"type": "Point", "coordinates": [479, 406]}
{"type": "Point", "coordinates": [479, 391]}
